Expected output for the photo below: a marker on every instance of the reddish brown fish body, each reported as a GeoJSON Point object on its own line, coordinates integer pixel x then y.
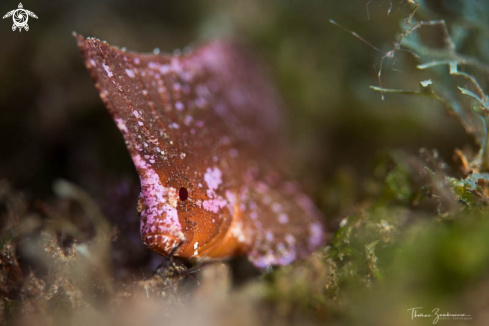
{"type": "Point", "coordinates": [203, 131]}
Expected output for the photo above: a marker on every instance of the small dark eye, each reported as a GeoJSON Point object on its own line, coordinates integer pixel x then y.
{"type": "Point", "coordinates": [183, 194]}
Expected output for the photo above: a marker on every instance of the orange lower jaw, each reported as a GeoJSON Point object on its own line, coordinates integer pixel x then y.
{"type": "Point", "coordinates": [222, 248]}
{"type": "Point", "coordinates": [227, 248]}
{"type": "Point", "coordinates": [161, 244]}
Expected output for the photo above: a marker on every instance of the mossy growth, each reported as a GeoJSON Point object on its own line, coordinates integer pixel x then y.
{"type": "Point", "coordinates": [406, 246]}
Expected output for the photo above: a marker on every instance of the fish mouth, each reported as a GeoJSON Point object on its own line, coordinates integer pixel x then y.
{"type": "Point", "coordinates": [163, 244]}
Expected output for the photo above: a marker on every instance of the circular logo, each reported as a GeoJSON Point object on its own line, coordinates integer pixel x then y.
{"type": "Point", "coordinates": [20, 18]}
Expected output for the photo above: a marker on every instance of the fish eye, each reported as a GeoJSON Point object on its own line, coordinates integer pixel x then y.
{"type": "Point", "coordinates": [183, 194]}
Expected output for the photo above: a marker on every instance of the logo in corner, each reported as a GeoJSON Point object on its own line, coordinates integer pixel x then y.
{"type": "Point", "coordinates": [20, 17]}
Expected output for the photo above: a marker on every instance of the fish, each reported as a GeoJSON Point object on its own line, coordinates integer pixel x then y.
{"type": "Point", "coordinates": [206, 132]}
